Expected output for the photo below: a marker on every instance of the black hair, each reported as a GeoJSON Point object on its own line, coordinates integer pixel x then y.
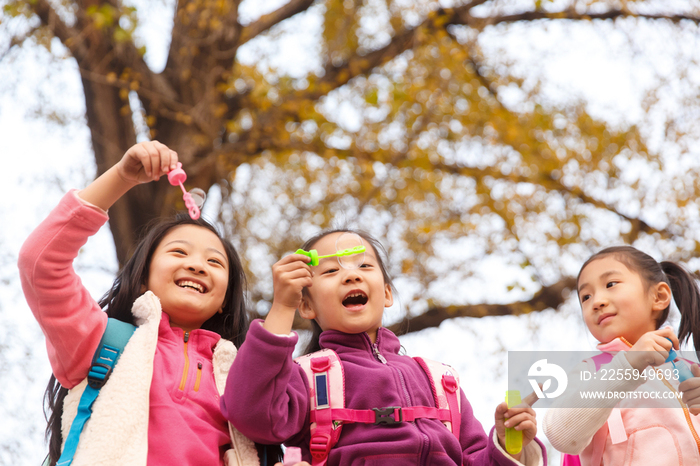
{"type": "Point", "coordinates": [232, 323]}
{"type": "Point", "coordinates": [684, 287]}
{"type": "Point", "coordinates": [381, 254]}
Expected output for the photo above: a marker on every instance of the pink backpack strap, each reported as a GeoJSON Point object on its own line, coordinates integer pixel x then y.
{"type": "Point", "coordinates": [614, 425]}
{"type": "Point", "coordinates": [601, 359]}
{"type": "Point", "coordinates": [446, 392]}
{"type": "Point", "coordinates": [570, 460]}
{"type": "Point", "coordinates": [327, 393]}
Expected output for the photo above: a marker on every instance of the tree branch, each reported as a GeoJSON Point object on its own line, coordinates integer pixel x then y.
{"type": "Point", "coordinates": [265, 22]}
{"type": "Point", "coordinates": [549, 297]}
{"type": "Point", "coordinates": [480, 23]}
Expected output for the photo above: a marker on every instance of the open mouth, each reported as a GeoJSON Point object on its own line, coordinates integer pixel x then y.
{"type": "Point", "coordinates": [355, 298]}
{"type": "Point", "coordinates": [192, 285]}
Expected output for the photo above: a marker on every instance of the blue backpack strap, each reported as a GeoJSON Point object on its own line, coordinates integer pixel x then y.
{"type": "Point", "coordinates": [111, 346]}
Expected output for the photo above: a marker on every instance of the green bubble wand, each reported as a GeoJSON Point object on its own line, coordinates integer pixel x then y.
{"type": "Point", "coordinates": [313, 254]}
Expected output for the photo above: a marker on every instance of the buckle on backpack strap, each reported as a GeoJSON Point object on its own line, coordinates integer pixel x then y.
{"type": "Point", "coordinates": [320, 446]}
{"type": "Point", "coordinates": [98, 375]}
{"type": "Point", "coordinates": [386, 415]}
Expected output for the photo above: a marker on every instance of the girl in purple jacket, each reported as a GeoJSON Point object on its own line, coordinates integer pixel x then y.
{"type": "Point", "coordinates": [267, 394]}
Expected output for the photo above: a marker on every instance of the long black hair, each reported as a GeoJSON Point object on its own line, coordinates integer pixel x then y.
{"type": "Point", "coordinates": [380, 252]}
{"type": "Point", "coordinates": [684, 286]}
{"type": "Point", "coordinates": [232, 323]}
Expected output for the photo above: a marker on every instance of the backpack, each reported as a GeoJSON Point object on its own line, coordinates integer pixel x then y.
{"type": "Point", "coordinates": [324, 372]}
{"type": "Point", "coordinates": [115, 338]}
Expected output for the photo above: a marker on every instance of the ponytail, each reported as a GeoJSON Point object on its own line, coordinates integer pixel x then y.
{"type": "Point", "coordinates": [687, 297]}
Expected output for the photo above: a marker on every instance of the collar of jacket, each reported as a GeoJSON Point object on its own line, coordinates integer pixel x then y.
{"type": "Point", "coordinates": [386, 343]}
{"type": "Point", "coordinates": [613, 346]}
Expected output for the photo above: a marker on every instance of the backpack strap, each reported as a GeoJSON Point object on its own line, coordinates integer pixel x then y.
{"type": "Point", "coordinates": [446, 393]}
{"type": "Point", "coordinates": [613, 426]}
{"type": "Point", "coordinates": [111, 346]}
{"type": "Point", "coordinates": [326, 378]}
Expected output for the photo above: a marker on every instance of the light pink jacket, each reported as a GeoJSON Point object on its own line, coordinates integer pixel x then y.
{"type": "Point", "coordinates": [180, 414]}
{"type": "Point", "coordinates": [636, 431]}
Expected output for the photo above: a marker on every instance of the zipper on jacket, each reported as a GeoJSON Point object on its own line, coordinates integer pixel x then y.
{"type": "Point", "coordinates": [377, 354]}
{"type": "Point", "coordinates": [187, 363]}
{"type": "Point", "coordinates": [199, 377]}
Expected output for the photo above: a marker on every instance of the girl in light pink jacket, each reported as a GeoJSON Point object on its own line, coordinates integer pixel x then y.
{"type": "Point", "coordinates": [649, 412]}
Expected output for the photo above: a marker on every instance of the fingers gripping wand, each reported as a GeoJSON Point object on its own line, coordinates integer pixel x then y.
{"type": "Point", "coordinates": [177, 177]}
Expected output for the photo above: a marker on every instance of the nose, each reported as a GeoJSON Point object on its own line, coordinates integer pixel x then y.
{"type": "Point", "coordinates": [196, 266]}
{"type": "Point", "coordinates": [599, 302]}
{"type": "Point", "coordinates": [352, 276]}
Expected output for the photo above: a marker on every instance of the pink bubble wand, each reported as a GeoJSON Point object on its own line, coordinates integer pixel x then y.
{"type": "Point", "coordinates": [177, 177]}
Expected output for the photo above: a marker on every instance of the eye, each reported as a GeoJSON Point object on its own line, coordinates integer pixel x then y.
{"type": "Point", "coordinates": [179, 251]}
{"type": "Point", "coordinates": [328, 271]}
{"type": "Point", "coordinates": [585, 297]}
{"type": "Point", "coordinates": [365, 266]}
{"type": "Point", "coordinates": [611, 284]}
{"type": "Point", "coordinates": [216, 261]}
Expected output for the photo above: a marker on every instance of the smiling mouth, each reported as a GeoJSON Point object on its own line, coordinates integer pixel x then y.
{"type": "Point", "coordinates": [355, 298]}
{"type": "Point", "coordinates": [604, 317]}
{"type": "Point", "coordinates": [192, 285]}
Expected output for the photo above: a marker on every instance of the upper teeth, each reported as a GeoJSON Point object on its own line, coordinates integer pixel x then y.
{"type": "Point", "coordinates": [356, 295]}
{"type": "Point", "coordinates": [187, 283]}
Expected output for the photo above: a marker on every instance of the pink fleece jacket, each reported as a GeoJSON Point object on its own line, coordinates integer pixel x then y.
{"type": "Point", "coordinates": [185, 425]}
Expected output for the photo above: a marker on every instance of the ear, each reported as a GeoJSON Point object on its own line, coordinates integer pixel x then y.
{"type": "Point", "coordinates": [388, 296]}
{"type": "Point", "coordinates": [662, 297]}
{"type": "Point", "coordinates": [305, 309]}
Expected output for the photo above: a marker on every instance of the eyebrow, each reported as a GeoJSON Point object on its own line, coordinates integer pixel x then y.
{"type": "Point", "coordinates": [213, 250]}
{"type": "Point", "coordinates": [602, 276]}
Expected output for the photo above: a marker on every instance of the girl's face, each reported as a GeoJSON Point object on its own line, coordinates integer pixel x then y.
{"type": "Point", "coordinates": [617, 303]}
{"type": "Point", "coordinates": [351, 301]}
{"type": "Point", "coordinates": [189, 274]}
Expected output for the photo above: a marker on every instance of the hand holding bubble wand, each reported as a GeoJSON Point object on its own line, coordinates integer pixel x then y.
{"type": "Point", "coordinates": [194, 200]}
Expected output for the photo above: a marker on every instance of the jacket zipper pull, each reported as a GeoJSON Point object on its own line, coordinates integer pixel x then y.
{"type": "Point", "coordinates": [187, 336]}
{"type": "Point", "coordinates": [379, 356]}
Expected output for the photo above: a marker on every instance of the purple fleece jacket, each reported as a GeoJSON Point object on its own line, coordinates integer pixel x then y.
{"type": "Point", "coordinates": [267, 399]}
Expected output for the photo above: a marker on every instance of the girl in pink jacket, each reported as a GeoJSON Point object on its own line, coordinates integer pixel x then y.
{"type": "Point", "coordinates": [183, 289]}
{"type": "Point", "coordinates": [649, 414]}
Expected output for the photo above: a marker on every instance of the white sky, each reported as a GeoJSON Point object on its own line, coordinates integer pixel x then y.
{"type": "Point", "coordinates": [600, 67]}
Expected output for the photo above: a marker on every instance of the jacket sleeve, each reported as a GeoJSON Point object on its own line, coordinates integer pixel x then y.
{"type": "Point", "coordinates": [572, 421]}
{"type": "Point", "coordinates": [479, 449]}
{"type": "Point", "coordinates": [266, 396]}
{"type": "Point", "coordinates": [70, 318]}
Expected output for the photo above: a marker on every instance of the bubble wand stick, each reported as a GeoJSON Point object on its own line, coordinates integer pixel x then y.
{"type": "Point", "coordinates": [177, 177]}
{"type": "Point", "coordinates": [313, 254]}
